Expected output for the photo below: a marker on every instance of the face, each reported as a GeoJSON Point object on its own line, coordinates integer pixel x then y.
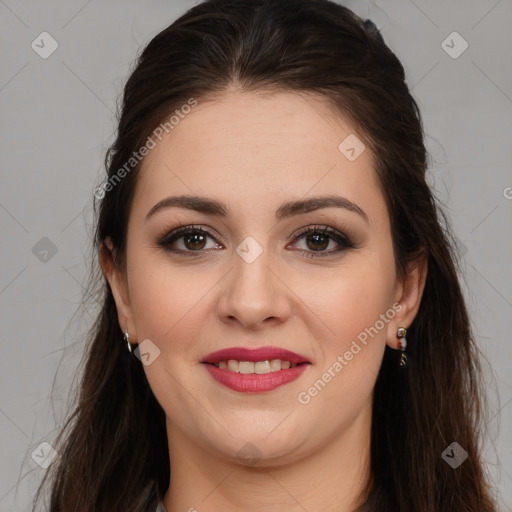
{"type": "Point", "coordinates": [319, 281]}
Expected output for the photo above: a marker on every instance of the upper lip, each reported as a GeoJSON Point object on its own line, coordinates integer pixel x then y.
{"type": "Point", "coordinates": [254, 354]}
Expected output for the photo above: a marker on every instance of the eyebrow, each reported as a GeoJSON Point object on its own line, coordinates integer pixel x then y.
{"type": "Point", "coordinates": [213, 207]}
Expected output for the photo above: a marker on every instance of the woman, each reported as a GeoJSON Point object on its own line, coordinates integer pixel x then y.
{"type": "Point", "coordinates": [282, 325]}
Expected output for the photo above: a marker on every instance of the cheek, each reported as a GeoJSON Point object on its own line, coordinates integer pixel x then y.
{"type": "Point", "coordinates": [167, 300]}
{"type": "Point", "coordinates": [355, 311]}
{"type": "Point", "coordinates": [351, 301]}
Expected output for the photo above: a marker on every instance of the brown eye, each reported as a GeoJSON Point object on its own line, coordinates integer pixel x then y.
{"type": "Point", "coordinates": [192, 240]}
{"type": "Point", "coordinates": [318, 238]}
{"type": "Point", "coordinates": [318, 242]}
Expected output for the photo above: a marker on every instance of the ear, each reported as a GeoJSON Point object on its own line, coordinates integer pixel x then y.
{"type": "Point", "coordinates": [119, 286]}
{"type": "Point", "coordinates": [408, 295]}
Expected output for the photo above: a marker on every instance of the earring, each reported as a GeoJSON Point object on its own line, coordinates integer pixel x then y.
{"type": "Point", "coordinates": [127, 339]}
{"type": "Point", "coordinates": [402, 343]}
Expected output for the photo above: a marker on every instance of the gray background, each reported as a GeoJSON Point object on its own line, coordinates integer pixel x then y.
{"type": "Point", "coordinates": [57, 119]}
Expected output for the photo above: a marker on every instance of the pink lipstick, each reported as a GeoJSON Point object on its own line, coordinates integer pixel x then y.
{"type": "Point", "coordinates": [262, 379]}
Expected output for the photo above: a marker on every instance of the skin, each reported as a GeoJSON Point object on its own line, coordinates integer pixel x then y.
{"type": "Point", "coordinates": [313, 456]}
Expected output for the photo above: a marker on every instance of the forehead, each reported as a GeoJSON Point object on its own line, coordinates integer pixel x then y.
{"type": "Point", "coordinates": [258, 149]}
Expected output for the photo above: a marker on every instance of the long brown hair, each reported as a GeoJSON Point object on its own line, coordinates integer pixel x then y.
{"type": "Point", "coordinates": [113, 452]}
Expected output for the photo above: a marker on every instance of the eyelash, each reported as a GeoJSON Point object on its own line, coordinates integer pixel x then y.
{"type": "Point", "coordinates": [345, 243]}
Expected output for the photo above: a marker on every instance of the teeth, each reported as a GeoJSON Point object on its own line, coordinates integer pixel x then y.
{"type": "Point", "coordinates": [233, 365]}
{"type": "Point", "coordinates": [259, 367]}
{"type": "Point", "coordinates": [262, 367]}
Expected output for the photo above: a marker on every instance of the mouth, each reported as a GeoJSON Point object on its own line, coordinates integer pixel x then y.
{"type": "Point", "coordinates": [255, 367]}
{"type": "Point", "coordinates": [254, 360]}
{"type": "Point", "coordinates": [252, 382]}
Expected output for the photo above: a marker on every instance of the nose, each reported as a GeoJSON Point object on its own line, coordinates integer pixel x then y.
{"type": "Point", "coordinates": [253, 294]}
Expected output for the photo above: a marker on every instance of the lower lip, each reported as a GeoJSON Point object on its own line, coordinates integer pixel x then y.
{"type": "Point", "coordinates": [253, 382]}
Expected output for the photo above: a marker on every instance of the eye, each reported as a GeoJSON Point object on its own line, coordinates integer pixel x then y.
{"type": "Point", "coordinates": [193, 239]}
{"type": "Point", "coordinates": [318, 238]}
